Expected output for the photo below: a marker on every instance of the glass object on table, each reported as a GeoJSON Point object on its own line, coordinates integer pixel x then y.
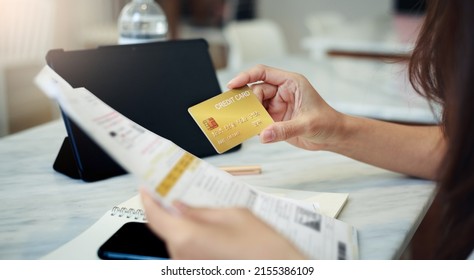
{"type": "Point", "coordinates": [142, 21]}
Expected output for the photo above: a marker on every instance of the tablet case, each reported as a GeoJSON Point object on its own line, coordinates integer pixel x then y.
{"type": "Point", "coordinates": [153, 84]}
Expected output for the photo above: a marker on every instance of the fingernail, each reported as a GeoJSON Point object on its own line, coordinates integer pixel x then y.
{"type": "Point", "coordinates": [268, 136]}
{"type": "Point", "coordinates": [230, 82]}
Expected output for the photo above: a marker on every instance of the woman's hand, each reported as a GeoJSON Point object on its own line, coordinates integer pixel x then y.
{"type": "Point", "coordinates": [301, 116]}
{"type": "Point", "coordinates": [198, 233]}
{"type": "Point", "coordinates": [305, 120]}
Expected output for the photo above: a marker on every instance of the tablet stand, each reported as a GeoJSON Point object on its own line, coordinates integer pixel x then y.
{"type": "Point", "coordinates": [66, 164]}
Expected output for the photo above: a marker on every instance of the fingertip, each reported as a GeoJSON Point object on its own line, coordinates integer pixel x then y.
{"type": "Point", "coordinates": [236, 82]}
{"type": "Point", "coordinates": [159, 219]}
{"type": "Point", "coordinates": [231, 83]}
{"type": "Point", "coordinates": [146, 196]}
{"type": "Point", "coordinates": [181, 207]}
{"type": "Point", "coordinates": [143, 191]}
{"type": "Point", "coordinates": [143, 194]}
{"type": "Point", "coordinates": [151, 205]}
{"type": "Point", "coordinates": [268, 135]}
{"type": "Point", "coordinates": [240, 80]}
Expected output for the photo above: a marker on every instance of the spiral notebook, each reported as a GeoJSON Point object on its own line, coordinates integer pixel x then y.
{"type": "Point", "coordinates": [85, 246]}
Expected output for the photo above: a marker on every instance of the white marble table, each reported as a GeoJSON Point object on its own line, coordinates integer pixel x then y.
{"type": "Point", "coordinates": [41, 209]}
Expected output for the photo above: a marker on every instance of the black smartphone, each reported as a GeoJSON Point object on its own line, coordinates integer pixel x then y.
{"type": "Point", "coordinates": [133, 241]}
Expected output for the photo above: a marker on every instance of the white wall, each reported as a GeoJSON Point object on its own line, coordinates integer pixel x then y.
{"type": "Point", "coordinates": [25, 36]}
{"type": "Point", "coordinates": [291, 14]}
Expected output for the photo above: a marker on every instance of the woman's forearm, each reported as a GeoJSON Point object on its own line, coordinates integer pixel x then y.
{"type": "Point", "coordinates": [411, 150]}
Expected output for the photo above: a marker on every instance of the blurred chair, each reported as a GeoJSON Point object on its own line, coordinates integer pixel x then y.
{"type": "Point", "coordinates": [26, 33]}
{"type": "Point", "coordinates": [252, 40]}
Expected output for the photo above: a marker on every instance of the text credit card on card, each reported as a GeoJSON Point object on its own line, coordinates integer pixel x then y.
{"type": "Point", "coordinates": [230, 118]}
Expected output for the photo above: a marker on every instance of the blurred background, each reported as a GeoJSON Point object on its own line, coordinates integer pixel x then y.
{"type": "Point", "coordinates": [29, 28]}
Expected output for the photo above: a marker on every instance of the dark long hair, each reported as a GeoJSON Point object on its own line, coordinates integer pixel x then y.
{"type": "Point", "coordinates": [442, 69]}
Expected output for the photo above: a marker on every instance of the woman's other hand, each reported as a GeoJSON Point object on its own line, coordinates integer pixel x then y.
{"type": "Point", "coordinates": [201, 233]}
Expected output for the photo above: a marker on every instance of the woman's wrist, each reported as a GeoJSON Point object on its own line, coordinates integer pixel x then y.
{"type": "Point", "coordinates": [343, 134]}
{"type": "Point", "coordinates": [329, 130]}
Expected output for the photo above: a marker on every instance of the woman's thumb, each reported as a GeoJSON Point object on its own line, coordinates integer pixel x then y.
{"type": "Point", "coordinates": [281, 131]}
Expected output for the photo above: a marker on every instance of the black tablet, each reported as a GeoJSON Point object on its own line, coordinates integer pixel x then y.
{"type": "Point", "coordinates": [152, 84]}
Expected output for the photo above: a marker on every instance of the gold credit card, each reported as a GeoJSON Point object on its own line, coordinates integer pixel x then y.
{"type": "Point", "coordinates": [230, 118]}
